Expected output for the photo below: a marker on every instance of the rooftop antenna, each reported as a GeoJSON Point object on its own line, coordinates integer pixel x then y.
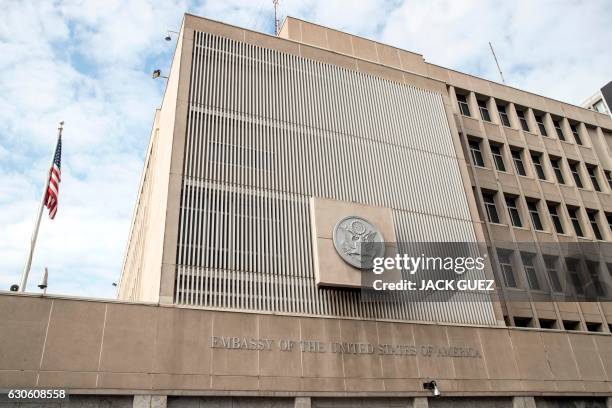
{"type": "Point", "coordinates": [497, 63]}
{"type": "Point", "coordinates": [276, 17]}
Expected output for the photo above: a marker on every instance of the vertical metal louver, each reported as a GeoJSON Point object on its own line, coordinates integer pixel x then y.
{"type": "Point", "coordinates": [266, 131]}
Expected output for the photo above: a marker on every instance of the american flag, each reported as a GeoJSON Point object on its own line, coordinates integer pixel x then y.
{"type": "Point", "coordinates": [51, 198]}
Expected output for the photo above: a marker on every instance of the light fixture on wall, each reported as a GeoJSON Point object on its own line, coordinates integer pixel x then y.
{"type": "Point", "coordinates": [157, 74]}
{"type": "Point", "coordinates": [433, 387]}
{"type": "Point", "coordinates": [169, 33]}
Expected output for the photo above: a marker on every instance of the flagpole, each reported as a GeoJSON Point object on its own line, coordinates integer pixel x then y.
{"type": "Point", "coordinates": [28, 265]}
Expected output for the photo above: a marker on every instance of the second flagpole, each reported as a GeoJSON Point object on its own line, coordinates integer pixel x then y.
{"type": "Point", "coordinates": [28, 265]}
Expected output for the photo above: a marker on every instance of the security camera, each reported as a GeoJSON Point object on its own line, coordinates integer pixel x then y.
{"type": "Point", "coordinates": [14, 288]}
{"type": "Point", "coordinates": [433, 387]}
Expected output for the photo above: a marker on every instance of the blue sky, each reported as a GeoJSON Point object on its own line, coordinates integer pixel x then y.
{"type": "Point", "coordinates": [89, 63]}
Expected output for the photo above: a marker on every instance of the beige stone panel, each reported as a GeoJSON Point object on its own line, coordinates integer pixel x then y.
{"type": "Point", "coordinates": [561, 359]}
{"type": "Point", "coordinates": [397, 366]}
{"type": "Point", "coordinates": [471, 126]}
{"type": "Point", "coordinates": [314, 35]}
{"type": "Point", "coordinates": [589, 198]}
{"type": "Point", "coordinates": [328, 57]}
{"type": "Point", "coordinates": [364, 49]}
{"type": "Point", "coordinates": [498, 354]}
{"type": "Point", "coordinates": [571, 151]}
{"type": "Point", "coordinates": [569, 311]}
{"type": "Point", "coordinates": [550, 191]}
{"type": "Point", "coordinates": [321, 365]}
{"type": "Point", "coordinates": [493, 132]}
{"type": "Point", "coordinates": [604, 349]}
{"type": "Point", "coordinates": [238, 362]}
{"type": "Point", "coordinates": [506, 385]}
{"type": "Point", "coordinates": [339, 42]}
{"type": "Point", "coordinates": [467, 367]}
{"type": "Point", "coordinates": [514, 137]}
{"type": "Point", "coordinates": [364, 385]}
{"type": "Point", "coordinates": [570, 194]}
{"type": "Point", "coordinates": [280, 384]}
{"type": "Point", "coordinates": [607, 310]}
{"type": "Point", "coordinates": [522, 234]}
{"type": "Point", "coordinates": [360, 365]}
{"type": "Point", "coordinates": [330, 269]}
{"type": "Point", "coordinates": [182, 341]}
{"type": "Point", "coordinates": [544, 236]}
{"type": "Point", "coordinates": [433, 366]}
{"type": "Point", "coordinates": [534, 140]}
{"type": "Point", "coordinates": [276, 362]}
{"type": "Point", "coordinates": [323, 384]}
{"type": "Point", "coordinates": [66, 379]}
{"type": "Point", "coordinates": [262, 40]}
{"type": "Point", "coordinates": [529, 186]}
{"type": "Point", "coordinates": [530, 355]}
{"type": "Point", "coordinates": [587, 357]}
{"type": "Point", "coordinates": [381, 71]}
{"type": "Point", "coordinates": [294, 29]}
{"type": "Point", "coordinates": [534, 385]}
{"type": "Point", "coordinates": [569, 386]}
{"type": "Point", "coordinates": [459, 80]}
{"type": "Point", "coordinates": [234, 382]}
{"type": "Point", "coordinates": [125, 381]}
{"type": "Point", "coordinates": [472, 386]}
{"type": "Point", "coordinates": [521, 309]}
{"type": "Point", "coordinates": [388, 55]}
{"type": "Point", "coordinates": [597, 386]}
{"type": "Point", "coordinates": [606, 201]}
{"type": "Point", "coordinates": [213, 27]}
{"type": "Point", "coordinates": [17, 378]}
{"type": "Point", "coordinates": [412, 62]}
{"type": "Point", "coordinates": [403, 385]}
{"type": "Point", "coordinates": [553, 146]}
{"type": "Point", "coordinates": [500, 233]}
{"type": "Point", "coordinates": [480, 86]}
{"type": "Point", "coordinates": [588, 154]}
{"type": "Point", "coordinates": [589, 308]}
{"type": "Point", "coordinates": [284, 31]}
{"type": "Point", "coordinates": [127, 345]}
{"type": "Point", "coordinates": [180, 381]}
{"type": "Point", "coordinates": [75, 336]}
{"type": "Point", "coordinates": [433, 71]}
{"type": "Point", "coordinates": [23, 322]}
{"type": "Point", "coordinates": [509, 182]}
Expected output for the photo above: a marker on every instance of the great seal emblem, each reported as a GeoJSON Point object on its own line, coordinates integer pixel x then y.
{"type": "Point", "coordinates": [358, 242]}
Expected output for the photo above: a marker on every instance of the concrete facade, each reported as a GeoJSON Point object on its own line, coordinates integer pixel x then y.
{"type": "Point", "coordinates": [257, 150]}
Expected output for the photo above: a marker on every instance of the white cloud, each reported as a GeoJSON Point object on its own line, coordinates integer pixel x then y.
{"type": "Point", "coordinates": [89, 63]}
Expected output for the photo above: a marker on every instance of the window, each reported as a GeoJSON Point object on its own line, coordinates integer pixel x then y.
{"type": "Point", "coordinates": [609, 219]}
{"type": "Point", "coordinates": [477, 159]}
{"type": "Point", "coordinates": [498, 158]}
{"type": "Point", "coordinates": [553, 273]}
{"type": "Point", "coordinates": [540, 121]}
{"type": "Point", "coordinates": [609, 177]}
{"type": "Point", "coordinates": [484, 111]}
{"type": "Point", "coordinates": [593, 175]}
{"type": "Point", "coordinates": [592, 214]}
{"type": "Point", "coordinates": [574, 274]}
{"type": "Point", "coordinates": [593, 268]}
{"type": "Point", "coordinates": [521, 115]}
{"type": "Point", "coordinates": [600, 107]}
{"type": "Point", "coordinates": [558, 129]}
{"type": "Point", "coordinates": [573, 214]}
{"type": "Point", "coordinates": [575, 133]}
{"type": "Point", "coordinates": [464, 108]}
{"type": "Point", "coordinates": [518, 162]}
{"type": "Point", "coordinates": [530, 270]}
{"type": "Point", "coordinates": [537, 163]}
{"type": "Point", "coordinates": [532, 206]}
{"type": "Point", "coordinates": [505, 265]}
{"type": "Point", "coordinates": [553, 210]}
{"type": "Point", "coordinates": [489, 200]}
{"type": "Point", "coordinates": [515, 217]}
{"type": "Point", "coordinates": [576, 173]}
{"type": "Point", "coordinates": [503, 115]}
{"type": "Point", "coordinates": [556, 165]}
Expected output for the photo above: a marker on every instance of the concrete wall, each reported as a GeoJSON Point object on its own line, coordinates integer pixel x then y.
{"type": "Point", "coordinates": [118, 348]}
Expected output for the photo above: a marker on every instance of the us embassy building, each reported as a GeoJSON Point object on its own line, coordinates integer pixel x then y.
{"type": "Point", "coordinates": [271, 160]}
